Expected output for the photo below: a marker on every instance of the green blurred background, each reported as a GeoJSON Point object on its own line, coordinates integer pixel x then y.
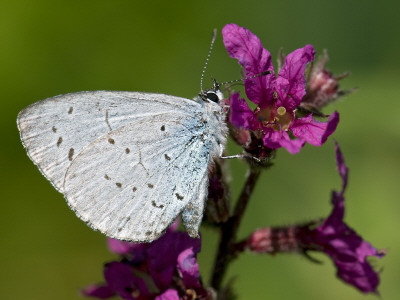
{"type": "Point", "coordinates": [54, 47]}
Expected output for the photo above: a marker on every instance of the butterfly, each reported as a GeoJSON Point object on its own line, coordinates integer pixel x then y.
{"type": "Point", "coordinates": [128, 163]}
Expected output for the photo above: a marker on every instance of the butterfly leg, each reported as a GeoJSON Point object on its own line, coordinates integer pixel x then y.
{"type": "Point", "coordinates": [242, 156]}
{"type": "Point", "coordinates": [221, 153]}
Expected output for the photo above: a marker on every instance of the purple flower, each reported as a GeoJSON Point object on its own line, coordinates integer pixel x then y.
{"type": "Point", "coordinates": [169, 294]}
{"type": "Point", "coordinates": [162, 258]}
{"type": "Point", "coordinates": [346, 248]}
{"type": "Point", "coordinates": [164, 269]}
{"type": "Point", "coordinates": [332, 236]}
{"type": "Point", "coordinates": [274, 119]}
{"type": "Point", "coordinates": [120, 280]}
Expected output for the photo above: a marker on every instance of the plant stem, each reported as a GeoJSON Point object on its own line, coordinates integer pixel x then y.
{"type": "Point", "coordinates": [229, 230]}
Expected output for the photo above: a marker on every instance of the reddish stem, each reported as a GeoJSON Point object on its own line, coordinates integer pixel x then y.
{"type": "Point", "coordinates": [229, 230]}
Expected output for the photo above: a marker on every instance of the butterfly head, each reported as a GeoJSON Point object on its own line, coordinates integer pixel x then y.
{"type": "Point", "coordinates": [212, 95]}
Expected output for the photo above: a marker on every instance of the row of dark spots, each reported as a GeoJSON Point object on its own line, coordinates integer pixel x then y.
{"type": "Point", "coordinates": [118, 184]}
{"type": "Point", "coordinates": [134, 189]}
{"type": "Point", "coordinates": [59, 141]}
{"type": "Point", "coordinates": [155, 204]}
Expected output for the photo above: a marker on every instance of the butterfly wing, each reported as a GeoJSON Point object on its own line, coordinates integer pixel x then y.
{"type": "Point", "coordinates": [137, 161]}
{"type": "Point", "coordinates": [55, 130]}
{"type": "Point", "coordinates": [133, 182]}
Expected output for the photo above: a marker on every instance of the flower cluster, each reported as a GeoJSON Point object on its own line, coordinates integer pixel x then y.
{"type": "Point", "coordinates": [275, 120]}
{"type": "Point", "coordinates": [332, 236]}
{"type": "Point", "coordinates": [166, 269]}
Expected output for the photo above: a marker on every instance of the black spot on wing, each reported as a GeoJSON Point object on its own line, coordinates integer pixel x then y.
{"type": "Point", "coordinates": [59, 141]}
{"type": "Point", "coordinates": [54, 129]}
{"type": "Point", "coordinates": [118, 184]}
{"type": "Point", "coordinates": [150, 185]}
{"type": "Point", "coordinates": [70, 154]}
{"type": "Point", "coordinates": [127, 150]}
{"type": "Point", "coordinates": [71, 109]}
{"type": "Point", "coordinates": [163, 128]}
{"type": "Point", "coordinates": [167, 157]}
{"type": "Point", "coordinates": [148, 233]}
{"type": "Point", "coordinates": [107, 177]}
{"type": "Point", "coordinates": [179, 197]}
{"type": "Point", "coordinates": [134, 189]}
{"type": "Point", "coordinates": [111, 141]}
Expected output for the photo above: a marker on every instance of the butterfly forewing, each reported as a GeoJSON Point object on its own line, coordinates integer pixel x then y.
{"type": "Point", "coordinates": [55, 130]}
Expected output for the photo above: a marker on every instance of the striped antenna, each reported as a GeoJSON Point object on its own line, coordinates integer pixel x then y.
{"type": "Point", "coordinates": [243, 79]}
{"type": "Point", "coordinates": [208, 57]}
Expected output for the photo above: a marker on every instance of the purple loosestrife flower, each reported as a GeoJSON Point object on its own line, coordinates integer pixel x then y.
{"type": "Point", "coordinates": [332, 236]}
{"type": "Point", "coordinates": [164, 269]}
{"type": "Point", "coordinates": [274, 121]}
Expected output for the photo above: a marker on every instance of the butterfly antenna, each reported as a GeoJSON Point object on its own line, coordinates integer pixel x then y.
{"type": "Point", "coordinates": [250, 77]}
{"type": "Point", "coordinates": [208, 57]}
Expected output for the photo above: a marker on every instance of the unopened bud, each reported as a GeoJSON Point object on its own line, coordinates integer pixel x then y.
{"type": "Point", "coordinates": [322, 86]}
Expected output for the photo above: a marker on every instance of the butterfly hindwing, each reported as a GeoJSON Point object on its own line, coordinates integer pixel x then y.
{"type": "Point", "coordinates": [132, 182]}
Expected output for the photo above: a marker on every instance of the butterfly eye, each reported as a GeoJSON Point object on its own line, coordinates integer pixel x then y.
{"type": "Point", "coordinates": [212, 96]}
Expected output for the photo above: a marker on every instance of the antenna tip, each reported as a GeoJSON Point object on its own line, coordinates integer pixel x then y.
{"type": "Point", "coordinates": [214, 33]}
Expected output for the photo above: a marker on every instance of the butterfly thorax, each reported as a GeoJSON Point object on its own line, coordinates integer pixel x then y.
{"type": "Point", "coordinates": [215, 126]}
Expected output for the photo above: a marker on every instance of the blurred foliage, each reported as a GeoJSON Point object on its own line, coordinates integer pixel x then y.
{"type": "Point", "coordinates": [54, 47]}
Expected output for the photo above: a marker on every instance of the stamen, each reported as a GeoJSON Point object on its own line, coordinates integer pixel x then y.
{"type": "Point", "coordinates": [281, 110]}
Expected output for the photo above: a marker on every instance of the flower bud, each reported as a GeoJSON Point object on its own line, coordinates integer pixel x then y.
{"type": "Point", "coordinates": [322, 86]}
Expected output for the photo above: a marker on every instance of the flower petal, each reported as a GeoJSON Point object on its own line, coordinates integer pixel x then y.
{"type": "Point", "coordinates": [174, 226]}
{"type": "Point", "coordinates": [169, 294]}
{"type": "Point", "coordinates": [189, 268]}
{"type": "Point", "coordinates": [120, 279]}
{"type": "Point", "coordinates": [245, 46]}
{"type": "Point", "coordinates": [348, 250]}
{"type": "Point", "coordinates": [135, 250]}
{"type": "Point", "coordinates": [314, 132]}
{"type": "Point", "coordinates": [341, 166]}
{"type": "Point", "coordinates": [359, 275]}
{"type": "Point", "coordinates": [98, 291]}
{"type": "Point", "coordinates": [163, 255]}
{"type": "Point", "coordinates": [241, 116]}
{"type": "Point", "coordinates": [291, 82]}
{"type": "Point", "coordinates": [277, 139]}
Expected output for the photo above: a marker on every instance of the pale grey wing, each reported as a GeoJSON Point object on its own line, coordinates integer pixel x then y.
{"type": "Point", "coordinates": [55, 130]}
{"type": "Point", "coordinates": [133, 182]}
